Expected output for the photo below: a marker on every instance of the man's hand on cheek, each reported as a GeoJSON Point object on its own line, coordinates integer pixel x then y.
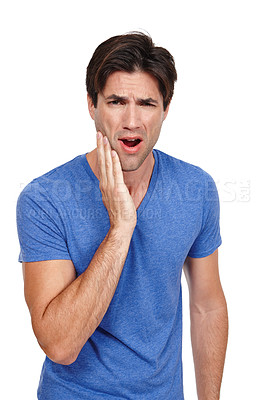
{"type": "Point", "coordinates": [115, 194]}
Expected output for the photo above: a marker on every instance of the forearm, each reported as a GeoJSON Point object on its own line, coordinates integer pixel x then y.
{"type": "Point", "coordinates": [209, 333]}
{"type": "Point", "coordinates": [72, 317]}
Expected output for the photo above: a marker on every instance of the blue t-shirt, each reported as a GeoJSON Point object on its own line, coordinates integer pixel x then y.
{"type": "Point", "coordinates": [136, 351]}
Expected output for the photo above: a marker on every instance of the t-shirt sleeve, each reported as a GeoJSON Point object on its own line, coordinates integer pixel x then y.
{"type": "Point", "coordinates": [40, 228]}
{"type": "Point", "coordinates": [209, 238]}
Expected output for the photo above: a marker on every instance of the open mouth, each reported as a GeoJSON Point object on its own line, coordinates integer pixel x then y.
{"type": "Point", "coordinates": [131, 142]}
{"type": "Point", "coordinates": [131, 145]}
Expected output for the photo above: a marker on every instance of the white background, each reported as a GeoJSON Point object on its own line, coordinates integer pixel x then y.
{"type": "Point", "coordinates": [216, 120]}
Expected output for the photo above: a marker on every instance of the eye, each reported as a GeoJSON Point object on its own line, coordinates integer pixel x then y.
{"type": "Point", "coordinates": [147, 104]}
{"type": "Point", "coordinates": [115, 102]}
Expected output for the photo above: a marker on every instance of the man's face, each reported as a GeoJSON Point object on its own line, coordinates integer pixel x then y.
{"type": "Point", "coordinates": [130, 113]}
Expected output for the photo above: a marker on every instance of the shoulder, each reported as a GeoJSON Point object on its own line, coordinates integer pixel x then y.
{"type": "Point", "coordinates": [65, 170]}
{"type": "Point", "coordinates": [59, 177]}
{"type": "Point", "coordinates": [181, 170]}
{"type": "Point", "coordinates": [184, 180]}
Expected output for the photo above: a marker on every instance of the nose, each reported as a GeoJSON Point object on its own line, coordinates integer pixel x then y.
{"type": "Point", "coordinates": [131, 117]}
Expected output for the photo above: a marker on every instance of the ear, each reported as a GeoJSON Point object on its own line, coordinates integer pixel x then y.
{"type": "Point", "coordinates": [91, 107]}
{"type": "Point", "coordinates": [166, 111]}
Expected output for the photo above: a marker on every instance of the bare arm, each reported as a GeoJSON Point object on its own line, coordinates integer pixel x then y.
{"type": "Point", "coordinates": [66, 311]}
{"type": "Point", "coordinates": [209, 324]}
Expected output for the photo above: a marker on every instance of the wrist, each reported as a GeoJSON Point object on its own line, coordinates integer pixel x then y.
{"type": "Point", "coordinates": [123, 229]}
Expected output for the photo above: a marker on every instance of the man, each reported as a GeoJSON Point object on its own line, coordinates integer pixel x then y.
{"type": "Point", "coordinates": [104, 239]}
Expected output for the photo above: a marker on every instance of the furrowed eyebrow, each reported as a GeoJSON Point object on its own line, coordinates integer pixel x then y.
{"type": "Point", "coordinates": [148, 100]}
{"type": "Point", "coordinates": [123, 98]}
{"type": "Point", "coordinates": [115, 97]}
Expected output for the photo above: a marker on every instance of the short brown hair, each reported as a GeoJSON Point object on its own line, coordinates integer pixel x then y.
{"type": "Point", "coordinates": [131, 52]}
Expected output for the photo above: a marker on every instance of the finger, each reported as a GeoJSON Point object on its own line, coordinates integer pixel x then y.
{"type": "Point", "coordinates": [108, 161]}
{"type": "Point", "coordinates": [117, 170]}
{"type": "Point", "coordinates": [101, 158]}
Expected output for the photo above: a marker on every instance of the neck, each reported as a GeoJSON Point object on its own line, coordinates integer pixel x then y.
{"type": "Point", "coordinates": [137, 181]}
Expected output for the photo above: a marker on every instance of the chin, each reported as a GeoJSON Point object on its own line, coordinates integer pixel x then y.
{"type": "Point", "coordinates": [129, 169]}
{"type": "Point", "coordinates": [130, 165]}
{"type": "Point", "coordinates": [132, 162]}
